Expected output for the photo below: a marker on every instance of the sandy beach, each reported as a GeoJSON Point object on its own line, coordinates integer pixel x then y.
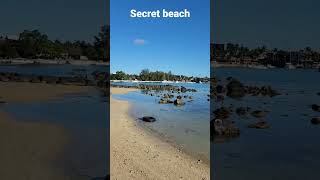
{"type": "Point", "coordinates": [31, 150]}
{"type": "Point", "coordinates": [28, 150]}
{"type": "Point", "coordinates": [138, 154]}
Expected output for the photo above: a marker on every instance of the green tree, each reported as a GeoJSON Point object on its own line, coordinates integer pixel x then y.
{"type": "Point", "coordinates": [144, 75]}
{"type": "Point", "coordinates": [32, 43]}
{"type": "Point", "coordinates": [102, 43]}
{"type": "Point", "coordinates": [120, 75]}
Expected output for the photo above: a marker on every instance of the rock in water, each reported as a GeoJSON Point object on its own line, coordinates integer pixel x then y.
{"type": "Point", "coordinates": [221, 130]}
{"type": "Point", "coordinates": [148, 119]}
{"type": "Point", "coordinates": [218, 127]}
{"type": "Point", "coordinates": [315, 120]}
{"type": "Point", "coordinates": [178, 102]}
{"type": "Point", "coordinates": [259, 114]}
{"type": "Point", "coordinates": [242, 111]}
{"type": "Point", "coordinates": [163, 101]}
{"type": "Point", "coordinates": [222, 113]}
{"type": "Point", "coordinates": [220, 89]}
{"type": "Point", "coordinates": [260, 125]}
{"type": "Point", "coordinates": [166, 96]}
{"type": "Point", "coordinates": [183, 89]}
{"type": "Point", "coordinates": [235, 89]}
{"type": "Point", "coordinates": [316, 107]}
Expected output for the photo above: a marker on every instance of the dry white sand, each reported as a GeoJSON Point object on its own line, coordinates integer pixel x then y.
{"type": "Point", "coordinates": [137, 154]}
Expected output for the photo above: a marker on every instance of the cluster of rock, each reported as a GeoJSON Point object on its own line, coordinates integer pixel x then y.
{"type": "Point", "coordinates": [222, 128]}
{"type": "Point", "coordinates": [235, 89]}
{"type": "Point", "coordinates": [165, 93]}
{"type": "Point", "coordinates": [178, 101]}
{"type": "Point", "coordinates": [64, 80]}
{"type": "Point", "coordinates": [157, 87]}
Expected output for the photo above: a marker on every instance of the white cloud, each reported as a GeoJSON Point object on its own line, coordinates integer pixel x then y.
{"type": "Point", "coordinates": [139, 42]}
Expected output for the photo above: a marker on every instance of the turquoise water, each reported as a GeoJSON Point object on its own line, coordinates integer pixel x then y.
{"type": "Point", "coordinates": [85, 116]}
{"type": "Point", "coordinates": [290, 149]}
{"type": "Point", "coordinates": [186, 126]}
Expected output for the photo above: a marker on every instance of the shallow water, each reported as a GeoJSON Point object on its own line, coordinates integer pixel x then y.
{"type": "Point", "coordinates": [85, 116]}
{"type": "Point", "coordinates": [290, 149]}
{"type": "Point", "coordinates": [186, 126]}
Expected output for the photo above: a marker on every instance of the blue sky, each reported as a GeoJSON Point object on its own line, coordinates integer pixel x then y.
{"type": "Point", "coordinates": [60, 19]}
{"type": "Point", "coordinates": [287, 24]}
{"type": "Point", "coordinates": [180, 45]}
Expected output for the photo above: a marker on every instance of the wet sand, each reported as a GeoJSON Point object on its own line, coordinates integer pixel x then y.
{"type": "Point", "coordinates": [22, 92]}
{"type": "Point", "coordinates": [32, 150]}
{"type": "Point", "coordinates": [28, 150]}
{"type": "Point", "coordinates": [138, 154]}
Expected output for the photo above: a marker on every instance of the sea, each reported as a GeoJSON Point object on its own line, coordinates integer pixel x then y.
{"type": "Point", "coordinates": [289, 150]}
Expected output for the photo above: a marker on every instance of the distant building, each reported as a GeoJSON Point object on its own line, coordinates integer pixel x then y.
{"type": "Point", "coordinates": [84, 58]}
{"type": "Point", "coordinates": [296, 57]}
{"type": "Point", "coordinates": [10, 38]}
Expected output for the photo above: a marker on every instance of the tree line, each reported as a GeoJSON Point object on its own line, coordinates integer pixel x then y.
{"type": "Point", "coordinates": [239, 51]}
{"type": "Point", "coordinates": [147, 75]}
{"type": "Point", "coordinates": [32, 44]}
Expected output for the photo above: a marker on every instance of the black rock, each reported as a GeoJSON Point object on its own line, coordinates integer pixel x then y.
{"type": "Point", "coordinates": [315, 120]}
{"type": "Point", "coordinates": [235, 89]}
{"type": "Point", "coordinates": [148, 119]}
{"type": "Point", "coordinates": [315, 107]}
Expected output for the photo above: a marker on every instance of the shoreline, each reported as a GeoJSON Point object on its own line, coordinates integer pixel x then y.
{"type": "Point", "coordinates": [137, 81]}
{"type": "Point", "coordinates": [172, 143]}
{"type": "Point", "coordinates": [144, 127]}
{"type": "Point", "coordinates": [140, 153]}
